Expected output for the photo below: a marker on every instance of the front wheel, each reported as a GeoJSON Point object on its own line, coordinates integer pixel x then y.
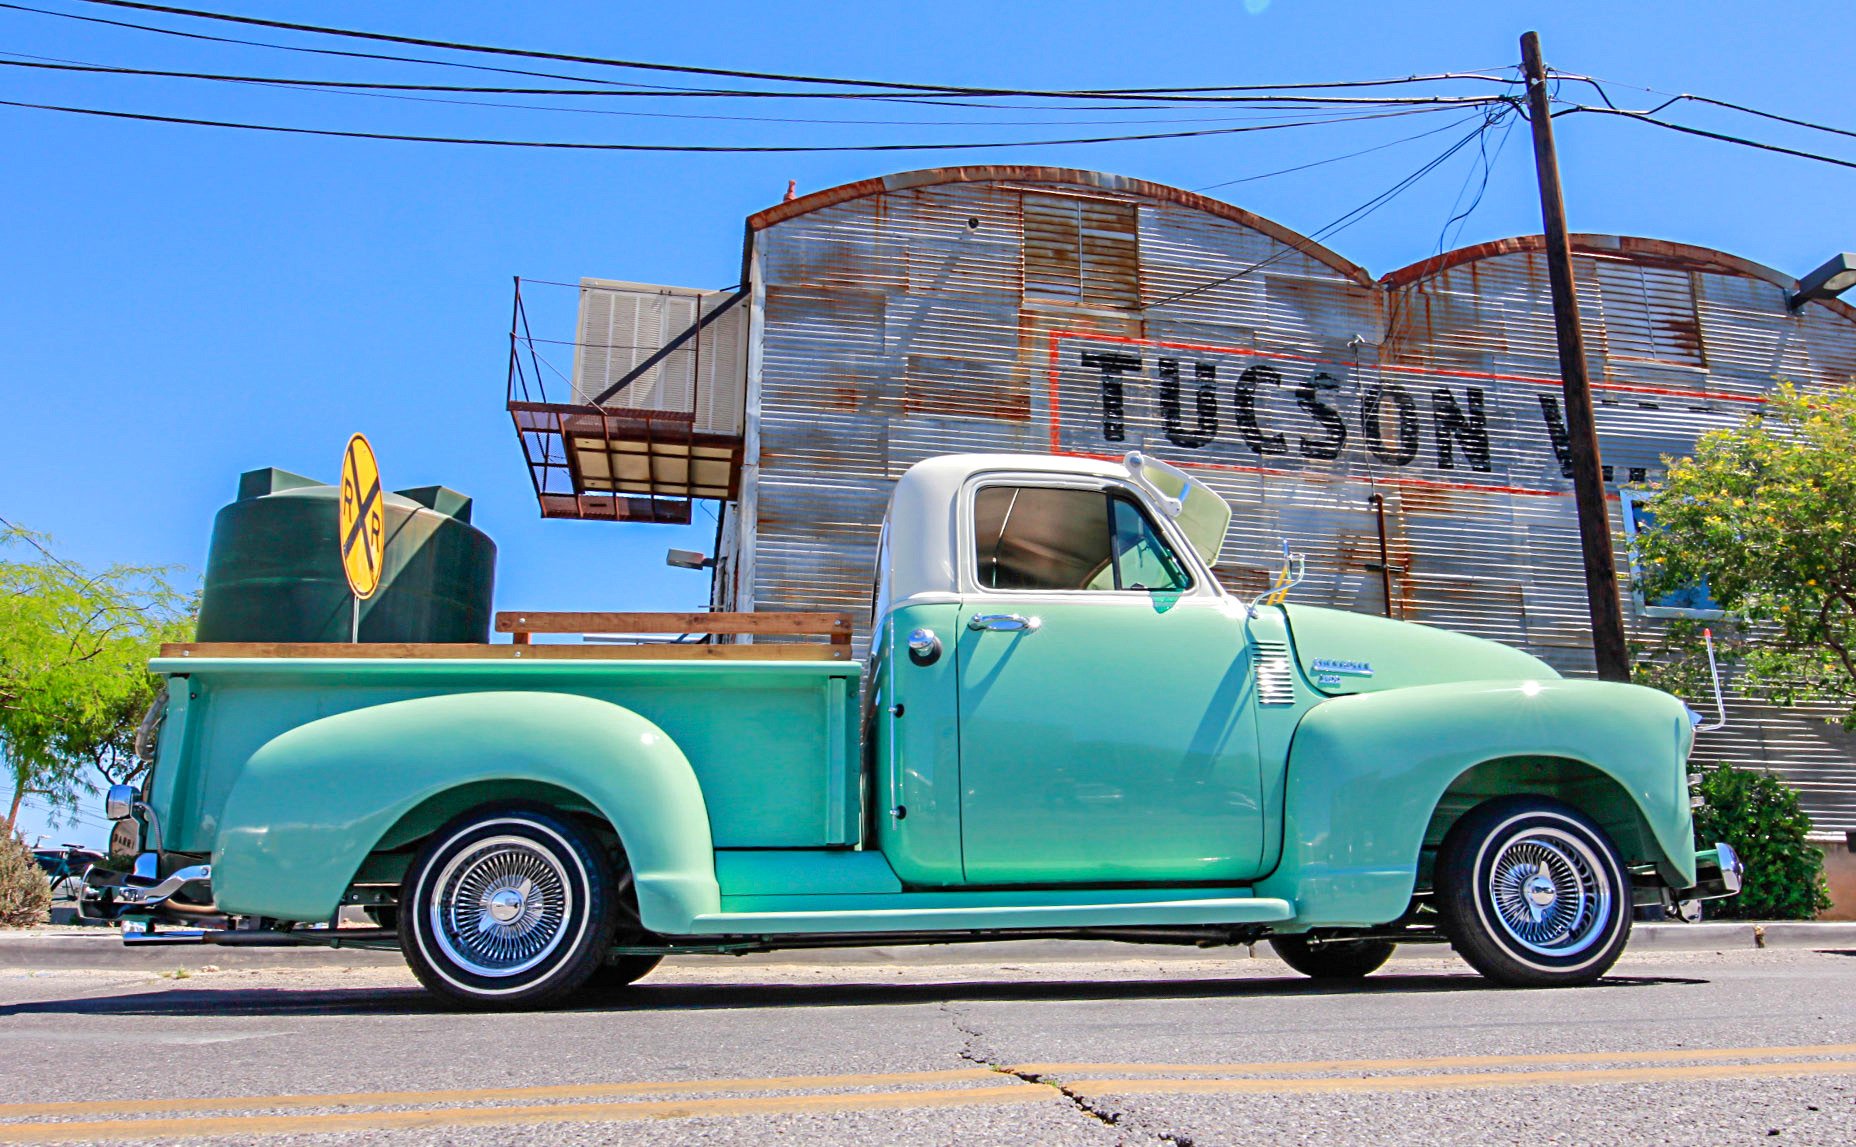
{"type": "Point", "coordinates": [1532, 893]}
{"type": "Point", "coordinates": [1332, 959]}
{"type": "Point", "coordinates": [507, 907]}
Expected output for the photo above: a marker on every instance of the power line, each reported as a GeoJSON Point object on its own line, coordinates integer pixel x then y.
{"type": "Point", "coordinates": [1461, 218]}
{"type": "Point", "coordinates": [1295, 103]}
{"type": "Point", "coordinates": [725, 149]}
{"type": "Point", "coordinates": [324, 51]}
{"type": "Point", "coordinates": [1335, 158]}
{"type": "Point", "coordinates": [1645, 117]}
{"type": "Point", "coordinates": [1771, 115]}
{"type": "Point", "coordinates": [1597, 85]}
{"type": "Point", "coordinates": [88, 580]}
{"type": "Point", "coordinates": [733, 73]}
{"type": "Point", "coordinates": [1342, 222]}
{"type": "Point", "coordinates": [396, 91]}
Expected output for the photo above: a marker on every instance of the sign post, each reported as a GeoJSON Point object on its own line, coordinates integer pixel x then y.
{"type": "Point", "coordinates": [361, 528]}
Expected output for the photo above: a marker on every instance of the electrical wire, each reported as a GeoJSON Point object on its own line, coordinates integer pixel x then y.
{"type": "Point", "coordinates": [1396, 308]}
{"type": "Point", "coordinates": [52, 63]}
{"type": "Point", "coordinates": [334, 51]}
{"type": "Point", "coordinates": [1771, 115]}
{"type": "Point", "coordinates": [722, 149]}
{"type": "Point", "coordinates": [1461, 218]}
{"type": "Point", "coordinates": [1645, 117]}
{"type": "Point", "coordinates": [1597, 85]}
{"type": "Point", "coordinates": [1342, 222]}
{"type": "Point", "coordinates": [395, 91]}
{"type": "Point", "coordinates": [730, 73]}
{"type": "Point", "coordinates": [1335, 158]}
{"type": "Point", "coordinates": [88, 580]}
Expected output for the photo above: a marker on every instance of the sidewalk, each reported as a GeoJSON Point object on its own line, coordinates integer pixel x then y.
{"type": "Point", "coordinates": [51, 947]}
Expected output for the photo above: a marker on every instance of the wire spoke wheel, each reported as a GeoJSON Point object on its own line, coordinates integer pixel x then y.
{"type": "Point", "coordinates": [1532, 893]}
{"type": "Point", "coordinates": [501, 906]}
{"type": "Point", "coordinates": [1547, 894]}
{"type": "Point", "coordinates": [508, 906]}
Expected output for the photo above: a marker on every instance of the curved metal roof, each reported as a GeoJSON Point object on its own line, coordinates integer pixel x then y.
{"type": "Point", "coordinates": [1632, 248]}
{"type": "Point", "coordinates": [1013, 173]}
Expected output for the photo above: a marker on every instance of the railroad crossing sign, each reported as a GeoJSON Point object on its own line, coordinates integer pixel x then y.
{"type": "Point", "coordinates": [362, 523]}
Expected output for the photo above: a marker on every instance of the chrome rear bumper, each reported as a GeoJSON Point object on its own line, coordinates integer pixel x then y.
{"type": "Point", "coordinates": [108, 895]}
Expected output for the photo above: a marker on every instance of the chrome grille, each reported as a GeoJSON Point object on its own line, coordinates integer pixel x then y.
{"type": "Point", "coordinates": [1275, 676]}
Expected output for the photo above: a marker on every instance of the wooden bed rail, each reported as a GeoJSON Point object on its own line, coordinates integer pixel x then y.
{"type": "Point", "coordinates": [836, 626]}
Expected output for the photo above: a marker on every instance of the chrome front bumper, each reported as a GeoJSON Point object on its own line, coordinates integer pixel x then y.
{"type": "Point", "coordinates": [1718, 872]}
{"type": "Point", "coordinates": [108, 895]}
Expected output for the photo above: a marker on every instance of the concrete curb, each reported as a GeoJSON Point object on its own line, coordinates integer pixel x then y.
{"type": "Point", "coordinates": [58, 949]}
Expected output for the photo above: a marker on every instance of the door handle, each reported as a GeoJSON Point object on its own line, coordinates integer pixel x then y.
{"type": "Point", "coordinates": [1005, 621]}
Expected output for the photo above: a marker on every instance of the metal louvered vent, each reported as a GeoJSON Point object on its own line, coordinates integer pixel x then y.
{"type": "Point", "coordinates": [1275, 676]}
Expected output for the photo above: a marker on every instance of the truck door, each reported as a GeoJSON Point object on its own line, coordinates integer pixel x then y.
{"type": "Point", "coordinates": [1106, 721]}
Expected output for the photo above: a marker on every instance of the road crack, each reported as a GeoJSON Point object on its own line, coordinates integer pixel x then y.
{"type": "Point", "coordinates": [974, 1050]}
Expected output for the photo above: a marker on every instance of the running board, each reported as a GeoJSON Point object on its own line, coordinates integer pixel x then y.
{"type": "Point", "coordinates": [1236, 910]}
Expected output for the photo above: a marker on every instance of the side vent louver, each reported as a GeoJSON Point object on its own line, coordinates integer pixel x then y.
{"type": "Point", "coordinates": [1275, 676]}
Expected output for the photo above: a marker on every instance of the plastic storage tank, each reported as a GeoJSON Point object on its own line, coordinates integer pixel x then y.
{"type": "Point", "coordinates": [274, 570]}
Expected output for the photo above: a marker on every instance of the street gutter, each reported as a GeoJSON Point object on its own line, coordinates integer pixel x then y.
{"type": "Point", "coordinates": [52, 949]}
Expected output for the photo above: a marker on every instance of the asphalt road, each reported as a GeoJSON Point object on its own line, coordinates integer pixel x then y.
{"type": "Point", "coordinates": [1677, 1047]}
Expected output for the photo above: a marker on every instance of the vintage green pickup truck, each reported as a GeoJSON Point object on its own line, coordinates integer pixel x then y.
{"type": "Point", "coordinates": [1066, 728]}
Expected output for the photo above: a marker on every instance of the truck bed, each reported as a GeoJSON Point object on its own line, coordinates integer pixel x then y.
{"type": "Point", "coordinates": [768, 729]}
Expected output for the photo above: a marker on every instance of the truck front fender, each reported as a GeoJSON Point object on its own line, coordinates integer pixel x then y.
{"type": "Point", "coordinates": [312, 803]}
{"type": "Point", "coordinates": [1366, 776]}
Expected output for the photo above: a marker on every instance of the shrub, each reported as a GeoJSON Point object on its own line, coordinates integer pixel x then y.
{"type": "Point", "coordinates": [1758, 814]}
{"type": "Point", "coordinates": [25, 894]}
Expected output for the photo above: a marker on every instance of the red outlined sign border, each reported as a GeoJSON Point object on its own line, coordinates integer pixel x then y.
{"type": "Point", "coordinates": [1056, 445]}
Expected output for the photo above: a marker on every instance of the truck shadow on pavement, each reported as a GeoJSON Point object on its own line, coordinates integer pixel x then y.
{"type": "Point", "coordinates": [647, 997]}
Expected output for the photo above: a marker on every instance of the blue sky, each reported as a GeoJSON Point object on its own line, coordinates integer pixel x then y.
{"type": "Point", "coordinates": [187, 303]}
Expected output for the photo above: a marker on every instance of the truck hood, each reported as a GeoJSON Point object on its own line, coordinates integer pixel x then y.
{"type": "Point", "coordinates": [1344, 652]}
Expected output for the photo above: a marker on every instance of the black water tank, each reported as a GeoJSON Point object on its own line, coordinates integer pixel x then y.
{"type": "Point", "coordinates": [274, 572]}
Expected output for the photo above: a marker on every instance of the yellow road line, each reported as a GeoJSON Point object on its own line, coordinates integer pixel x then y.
{"type": "Point", "coordinates": [469, 1107]}
{"type": "Point", "coordinates": [1332, 1065]}
{"type": "Point", "coordinates": [349, 1121]}
{"type": "Point", "coordinates": [1451, 1081]}
{"type": "Point", "coordinates": [482, 1095]}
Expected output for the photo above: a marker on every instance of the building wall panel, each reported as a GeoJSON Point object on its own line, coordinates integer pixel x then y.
{"type": "Point", "coordinates": [901, 322]}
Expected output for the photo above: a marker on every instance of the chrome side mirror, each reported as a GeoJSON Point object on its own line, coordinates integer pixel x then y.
{"type": "Point", "coordinates": [120, 802]}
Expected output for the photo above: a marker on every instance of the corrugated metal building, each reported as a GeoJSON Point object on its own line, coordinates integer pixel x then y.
{"type": "Point", "coordinates": [1039, 309]}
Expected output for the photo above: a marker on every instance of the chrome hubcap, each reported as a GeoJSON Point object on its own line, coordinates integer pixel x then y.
{"type": "Point", "coordinates": [500, 906]}
{"type": "Point", "coordinates": [1549, 892]}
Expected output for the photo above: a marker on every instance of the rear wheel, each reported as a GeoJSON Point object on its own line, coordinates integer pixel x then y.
{"type": "Point", "coordinates": [506, 907]}
{"type": "Point", "coordinates": [1532, 893]}
{"type": "Point", "coordinates": [1332, 959]}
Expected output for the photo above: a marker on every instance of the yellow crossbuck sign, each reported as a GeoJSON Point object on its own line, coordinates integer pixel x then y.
{"type": "Point", "coordinates": [362, 523]}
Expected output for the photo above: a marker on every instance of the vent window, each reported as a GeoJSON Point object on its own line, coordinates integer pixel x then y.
{"type": "Point", "coordinates": [1080, 250]}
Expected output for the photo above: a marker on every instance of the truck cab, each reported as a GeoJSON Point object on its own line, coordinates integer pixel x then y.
{"type": "Point", "coordinates": [1067, 728]}
{"type": "Point", "coordinates": [1062, 692]}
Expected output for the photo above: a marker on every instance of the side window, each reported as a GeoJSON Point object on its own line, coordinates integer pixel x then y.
{"type": "Point", "coordinates": [1691, 600]}
{"type": "Point", "coordinates": [1043, 538]}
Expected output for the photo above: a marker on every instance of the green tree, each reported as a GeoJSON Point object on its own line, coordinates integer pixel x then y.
{"type": "Point", "coordinates": [1764, 513]}
{"type": "Point", "coordinates": [74, 681]}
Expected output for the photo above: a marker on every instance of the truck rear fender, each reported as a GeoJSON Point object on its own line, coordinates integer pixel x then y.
{"type": "Point", "coordinates": [315, 803]}
{"type": "Point", "coordinates": [1375, 779]}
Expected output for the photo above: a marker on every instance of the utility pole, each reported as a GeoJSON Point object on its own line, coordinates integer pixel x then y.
{"type": "Point", "coordinates": [1601, 574]}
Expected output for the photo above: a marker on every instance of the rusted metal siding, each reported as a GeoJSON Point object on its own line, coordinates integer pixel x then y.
{"type": "Point", "coordinates": [925, 314]}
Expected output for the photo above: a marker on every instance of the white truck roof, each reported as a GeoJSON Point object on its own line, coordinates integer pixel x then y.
{"type": "Point", "coordinates": [924, 540]}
